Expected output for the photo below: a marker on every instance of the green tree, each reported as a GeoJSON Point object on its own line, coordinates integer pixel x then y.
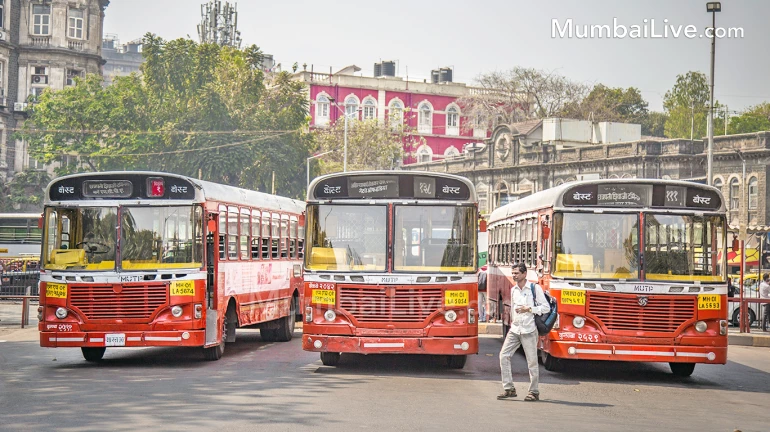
{"type": "Point", "coordinates": [754, 119]}
{"type": "Point", "coordinates": [687, 107]}
{"type": "Point", "coordinates": [25, 191]}
{"type": "Point", "coordinates": [197, 109]}
{"type": "Point", "coordinates": [654, 124]}
{"type": "Point", "coordinates": [610, 104]}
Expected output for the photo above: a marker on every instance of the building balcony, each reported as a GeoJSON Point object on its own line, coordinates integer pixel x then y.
{"type": "Point", "coordinates": [40, 41]}
{"type": "Point", "coordinates": [76, 45]}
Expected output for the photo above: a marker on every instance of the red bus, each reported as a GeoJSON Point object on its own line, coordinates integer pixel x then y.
{"type": "Point", "coordinates": [135, 259]}
{"type": "Point", "coordinates": [636, 265]}
{"type": "Point", "coordinates": [391, 265]}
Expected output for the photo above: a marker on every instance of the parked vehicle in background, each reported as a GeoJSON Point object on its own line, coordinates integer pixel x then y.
{"type": "Point", "coordinates": [751, 282]}
{"type": "Point", "coordinates": [20, 234]}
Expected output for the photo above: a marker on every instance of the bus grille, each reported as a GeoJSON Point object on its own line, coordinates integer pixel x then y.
{"type": "Point", "coordinates": [661, 314]}
{"type": "Point", "coordinates": [133, 302]}
{"type": "Point", "coordinates": [389, 304]}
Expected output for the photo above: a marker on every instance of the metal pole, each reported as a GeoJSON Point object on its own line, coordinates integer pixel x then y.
{"type": "Point", "coordinates": [307, 184]}
{"type": "Point", "coordinates": [744, 313]}
{"type": "Point", "coordinates": [709, 180]}
{"type": "Point", "coordinates": [345, 157]}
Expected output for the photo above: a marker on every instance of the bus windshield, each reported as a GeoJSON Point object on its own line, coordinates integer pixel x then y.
{"type": "Point", "coordinates": [81, 238]}
{"type": "Point", "coordinates": [346, 237]}
{"type": "Point", "coordinates": [435, 238]}
{"type": "Point", "coordinates": [596, 246]}
{"type": "Point", "coordinates": [684, 248]}
{"type": "Point", "coordinates": [161, 237]}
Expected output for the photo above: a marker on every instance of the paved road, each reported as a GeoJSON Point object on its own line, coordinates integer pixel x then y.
{"type": "Point", "coordinates": [277, 386]}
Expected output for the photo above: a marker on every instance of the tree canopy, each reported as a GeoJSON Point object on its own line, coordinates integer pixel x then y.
{"type": "Point", "coordinates": [201, 110]}
{"type": "Point", "coordinates": [754, 119]}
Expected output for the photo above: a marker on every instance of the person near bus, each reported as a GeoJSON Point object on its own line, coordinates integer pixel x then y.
{"type": "Point", "coordinates": [764, 292]}
{"type": "Point", "coordinates": [523, 332]}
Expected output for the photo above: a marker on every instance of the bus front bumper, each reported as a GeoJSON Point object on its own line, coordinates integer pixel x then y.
{"type": "Point", "coordinates": [391, 345]}
{"type": "Point", "coordinates": [638, 353]}
{"type": "Point", "coordinates": [188, 338]}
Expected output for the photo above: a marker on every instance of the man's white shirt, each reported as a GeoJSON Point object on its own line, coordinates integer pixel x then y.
{"type": "Point", "coordinates": [524, 322]}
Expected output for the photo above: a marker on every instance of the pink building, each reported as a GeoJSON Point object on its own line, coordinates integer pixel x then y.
{"type": "Point", "coordinates": [429, 109]}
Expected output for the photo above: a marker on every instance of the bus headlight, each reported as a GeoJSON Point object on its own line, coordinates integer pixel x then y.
{"type": "Point", "coordinates": [471, 316]}
{"type": "Point", "coordinates": [198, 311]}
{"type": "Point", "coordinates": [40, 313]}
{"type": "Point", "coordinates": [308, 314]}
{"type": "Point", "coordinates": [578, 322]}
{"type": "Point", "coordinates": [450, 316]}
{"type": "Point", "coordinates": [722, 327]}
{"type": "Point", "coordinates": [701, 326]}
{"type": "Point", "coordinates": [176, 311]}
{"type": "Point", "coordinates": [61, 313]}
{"type": "Point", "coordinates": [330, 315]}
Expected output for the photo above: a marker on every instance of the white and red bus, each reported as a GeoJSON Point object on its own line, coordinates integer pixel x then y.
{"type": "Point", "coordinates": [391, 265]}
{"type": "Point", "coordinates": [636, 265]}
{"type": "Point", "coordinates": [134, 259]}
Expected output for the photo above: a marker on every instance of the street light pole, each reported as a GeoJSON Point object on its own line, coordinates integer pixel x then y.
{"type": "Point", "coordinates": [712, 7]}
{"type": "Point", "coordinates": [345, 155]}
{"type": "Point", "coordinates": [308, 164]}
{"type": "Point", "coordinates": [743, 310]}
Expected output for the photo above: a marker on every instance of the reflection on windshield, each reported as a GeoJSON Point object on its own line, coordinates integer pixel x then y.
{"type": "Point", "coordinates": [344, 238]}
{"type": "Point", "coordinates": [435, 238]}
{"type": "Point", "coordinates": [603, 246]}
{"type": "Point", "coordinates": [684, 248]}
{"type": "Point", "coordinates": [161, 237]}
{"type": "Point", "coordinates": [80, 238]}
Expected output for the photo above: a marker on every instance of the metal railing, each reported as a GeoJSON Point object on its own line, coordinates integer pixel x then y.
{"type": "Point", "coordinates": [760, 312]}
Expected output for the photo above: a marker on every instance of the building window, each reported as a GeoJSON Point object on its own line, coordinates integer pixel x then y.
{"type": "Point", "coordinates": [2, 13]}
{"type": "Point", "coordinates": [71, 75]}
{"type": "Point", "coordinates": [425, 118]}
{"type": "Point", "coordinates": [396, 114]}
{"type": "Point", "coordinates": [479, 126]}
{"type": "Point", "coordinates": [351, 108]}
{"type": "Point", "coordinates": [718, 183]}
{"type": "Point", "coordinates": [41, 20]}
{"type": "Point", "coordinates": [735, 194]}
{"type": "Point", "coordinates": [370, 109]}
{"type": "Point", "coordinates": [424, 154]}
{"type": "Point", "coordinates": [322, 110]}
{"type": "Point", "coordinates": [75, 24]}
{"type": "Point", "coordinates": [453, 121]}
{"type": "Point", "coordinates": [753, 192]}
{"type": "Point", "coordinates": [451, 153]}
{"type": "Point", "coordinates": [2, 80]}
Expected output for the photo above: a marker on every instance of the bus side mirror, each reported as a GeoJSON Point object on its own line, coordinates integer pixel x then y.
{"type": "Point", "coordinates": [482, 225]}
{"type": "Point", "coordinates": [546, 233]}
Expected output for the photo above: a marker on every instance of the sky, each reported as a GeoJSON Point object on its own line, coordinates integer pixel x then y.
{"type": "Point", "coordinates": [482, 36]}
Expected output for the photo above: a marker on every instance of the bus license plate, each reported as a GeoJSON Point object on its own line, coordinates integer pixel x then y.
{"type": "Point", "coordinates": [116, 339]}
{"type": "Point", "coordinates": [324, 297]}
{"type": "Point", "coordinates": [709, 302]}
{"type": "Point", "coordinates": [456, 298]}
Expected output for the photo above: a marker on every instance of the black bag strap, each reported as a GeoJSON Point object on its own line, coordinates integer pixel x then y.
{"type": "Point", "coordinates": [534, 294]}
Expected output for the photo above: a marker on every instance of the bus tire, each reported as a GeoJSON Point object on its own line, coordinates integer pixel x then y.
{"type": "Point", "coordinates": [268, 335]}
{"type": "Point", "coordinates": [330, 358]}
{"type": "Point", "coordinates": [215, 353]}
{"type": "Point", "coordinates": [456, 361]}
{"type": "Point", "coordinates": [736, 318]}
{"type": "Point", "coordinates": [285, 329]}
{"type": "Point", "coordinates": [93, 354]}
{"type": "Point", "coordinates": [551, 363]}
{"type": "Point", "coordinates": [682, 369]}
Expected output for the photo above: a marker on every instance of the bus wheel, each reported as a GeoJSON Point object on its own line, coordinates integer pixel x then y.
{"type": "Point", "coordinates": [285, 329]}
{"type": "Point", "coordinates": [93, 354]}
{"type": "Point", "coordinates": [551, 363]}
{"type": "Point", "coordinates": [456, 361]}
{"type": "Point", "coordinates": [737, 321]}
{"type": "Point", "coordinates": [215, 352]}
{"type": "Point", "coordinates": [268, 335]}
{"type": "Point", "coordinates": [682, 369]}
{"type": "Point", "coordinates": [330, 358]}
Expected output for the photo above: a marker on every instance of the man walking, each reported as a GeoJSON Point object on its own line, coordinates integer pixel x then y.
{"type": "Point", "coordinates": [523, 332]}
{"type": "Point", "coordinates": [764, 292]}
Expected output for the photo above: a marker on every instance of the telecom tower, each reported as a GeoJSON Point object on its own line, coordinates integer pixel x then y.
{"type": "Point", "coordinates": [219, 24]}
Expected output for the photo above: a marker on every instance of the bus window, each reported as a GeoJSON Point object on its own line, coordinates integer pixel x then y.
{"type": "Point", "coordinates": [222, 232]}
{"type": "Point", "coordinates": [84, 239]}
{"type": "Point", "coordinates": [245, 230]}
{"type": "Point", "coordinates": [255, 227]}
{"type": "Point", "coordinates": [293, 237]}
{"type": "Point", "coordinates": [265, 235]}
{"type": "Point", "coordinates": [284, 236]}
{"type": "Point", "coordinates": [275, 235]}
{"type": "Point", "coordinates": [301, 242]}
{"type": "Point", "coordinates": [232, 233]}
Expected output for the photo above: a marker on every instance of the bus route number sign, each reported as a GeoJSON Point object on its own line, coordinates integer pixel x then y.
{"type": "Point", "coordinates": [56, 290]}
{"type": "Point", "coordinates": [573, 297]}
{"type": "Point", "coordinates": [709, 302]}
{"type": "Point", "coordinates": [456, 298]}
{"type": "Point", "coordinates": [183, 288]}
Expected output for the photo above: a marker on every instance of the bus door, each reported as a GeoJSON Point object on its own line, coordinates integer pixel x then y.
{"type": "Point", "coordinates": [212, 250]}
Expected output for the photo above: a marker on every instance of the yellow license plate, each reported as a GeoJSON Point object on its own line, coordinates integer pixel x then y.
{"type": "Point", "coordinates": [456, 298]}
{"type": "Point", "coordinates": [56, 290]}
{"type": "Point", "coordinates": [709, 302]}
{"type": "Point", "coordinates": [183, 288]}
{"type": "Point", "coordinates": [326, 297]}
{"type": "Point", "coordinates": [573, 297]}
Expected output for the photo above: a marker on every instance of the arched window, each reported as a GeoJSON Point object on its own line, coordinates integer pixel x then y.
{"type": "Point", "coordinates": [424, 154]}
{"type": "Point", "coordinates": [425, 118]}
{"type": "Point", "coordinates": [451, 152]}
{"type": "Point", "coordinates": [735, 194]}
{"type": "Point", "coordinates": [396, 114]}
{"type": "Point", "coordinates": [322, 110]}
{"type": "Point", "coordinates": [370, 109]}
{"type": "Point", "coordinates": [753, 193]}
{"type": "Point", "coordinates": [718, 183]}
{"type": "Point", "coordinates": [452, 121]}
{"type": "Point", "coordinates": [501, 195]}
{"type": "Point", "coordinates": [351, 108]}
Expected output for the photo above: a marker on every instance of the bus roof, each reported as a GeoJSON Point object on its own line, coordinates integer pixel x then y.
{"type": "Point", "coordinates": [134, 186]}
{"type": "Point", "coordinates": [394, 185]}
{"type": "Point", "coordinates": [647, 193]}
